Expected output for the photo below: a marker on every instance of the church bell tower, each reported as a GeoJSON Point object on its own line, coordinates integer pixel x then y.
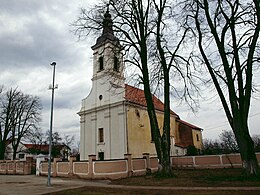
{"type": "Point", "coordinates": [108, 70]}
{"type": "Point", "coordinates": [102, 114]}
{"type": "Point", "coordinates": [107, 51]}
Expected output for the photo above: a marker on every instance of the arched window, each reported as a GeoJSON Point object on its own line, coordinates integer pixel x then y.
{"type": "Point", "coordinates": [116, 64]}
{"type": "Point", "coordinates": [101, 63]}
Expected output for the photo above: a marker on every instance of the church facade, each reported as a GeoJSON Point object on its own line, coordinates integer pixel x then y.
{"type": "Point", "coordinates": [113, 117]}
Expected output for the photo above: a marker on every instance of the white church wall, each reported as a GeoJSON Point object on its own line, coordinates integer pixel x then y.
{"type": "Point", "coordinates": [112, 120]}
{"type": "Point", "coordinates": [104, 91]}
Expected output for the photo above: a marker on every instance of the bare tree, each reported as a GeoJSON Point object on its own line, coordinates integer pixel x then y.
{"type": "Point", "coordinates": [35, 137]}
{"type": "Point", "coordinates": [227, 36]}
{"type": "Point", "coordinates": [56, 138]}
{"type": "Point", "coordinates": [69, 140]}
{"type": "Point", "coordinates": [26, 120]}
{"type": "Point", "coordinates": [228, 142]}
{"type": "Point", "coordinates": [60, 142]}
{"type": "Point", "coordinates": [20, 115]}
{"type": "Point", "coordinates": [211, 147]}
{"type": "Point", "coordinates": [75, 150]}
{"type": "Point", "coordinates": [7, 111]}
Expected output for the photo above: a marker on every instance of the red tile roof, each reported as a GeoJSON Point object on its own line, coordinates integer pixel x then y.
{"type": "Point", "coordinates": [42, 147]}
{"type": "Point", "coordinates": [190, 125]}
{"type": "Point", "coordinates": [135, 95]}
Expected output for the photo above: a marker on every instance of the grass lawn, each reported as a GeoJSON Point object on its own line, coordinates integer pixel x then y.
{"type": "Point", "coordinates": [183, 178]}
{"type": "Point", "coordinates": [195, 178]}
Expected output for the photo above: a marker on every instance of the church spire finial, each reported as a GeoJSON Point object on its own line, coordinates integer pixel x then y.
{"type": "Point", "coordinates": [107, 7]}
{"type": "Point", "coordinates": [107, 22]}
{"type": "Point", "coordinates": [107, 33]}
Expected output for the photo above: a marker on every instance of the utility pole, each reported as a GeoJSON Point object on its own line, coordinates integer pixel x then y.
{"type": "Point", "coordinates": [52, 87]}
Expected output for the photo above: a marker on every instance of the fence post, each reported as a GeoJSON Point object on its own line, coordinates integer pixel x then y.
{"type": "Point", "coordinates": [128, 157]}
{"type": "Point", "coordinates": [91, 158]}
{"type": "Point", "coordinates": [146, 156]}
{"type": "Point", "coordinates": [55, 168]}
{"type": "Point", "coordinates": [221, 160]}
{"type": "Point", "coordinates": [7, 167]}
{"type": "Point", "coordinates": [71, 160]}
{"type": "Point", "coordinates": [14, 170]}
{"type": "Point", "coordinates": [28, 165]}
{"type": "Point", "coordinates": [3, 167]}
{"type": "Point", "coordinates": [194, 161]}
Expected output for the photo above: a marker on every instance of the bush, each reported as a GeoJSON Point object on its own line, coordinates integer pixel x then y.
{"type": "Point", "coordinates": [192, 151]}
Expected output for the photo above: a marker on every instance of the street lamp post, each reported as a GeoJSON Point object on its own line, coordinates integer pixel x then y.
{"type": "Point", "coordinates": [52, 87]}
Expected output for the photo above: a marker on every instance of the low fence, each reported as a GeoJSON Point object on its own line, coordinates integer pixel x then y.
{"type": "Point", "coordinates": [209, 161]}
{"type": "Point", "coordinates": [16, 167]}
{"type": "Point", "coordinates": [107, 169]}
{"type": "Point", "coordinates": [121, 168]}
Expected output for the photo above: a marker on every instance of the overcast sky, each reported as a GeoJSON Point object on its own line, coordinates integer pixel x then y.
{"type": "Point", "coordinates": [35, 33]}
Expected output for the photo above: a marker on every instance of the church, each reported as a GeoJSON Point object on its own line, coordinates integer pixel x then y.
{"type": "Point", "coordinates": [113, 117]}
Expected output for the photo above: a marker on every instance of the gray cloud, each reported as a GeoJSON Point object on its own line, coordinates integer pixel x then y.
{"type": "Point", "coordinates": [35, 33]}
{"type": "Point", "coordinates": [32, 35]}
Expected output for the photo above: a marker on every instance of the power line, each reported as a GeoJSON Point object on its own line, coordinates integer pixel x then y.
{"type": "Point", "coordinates": [254, 114]}
{"type": "Point", "coordinates": [226, 123]}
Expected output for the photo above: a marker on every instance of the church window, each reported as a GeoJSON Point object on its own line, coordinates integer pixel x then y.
{"type": "Point", "coordinates": [101, 63]}
{"type": "Point", "coordinates": [100, 97]}
{"type": "Point", "coordinates": [197, 136]}
{"type": "Point", "coordinates": [101, 135]}
{"type": "Point", "coordinates": [137, 113]}
{"type": "Point", "coordinates": [116, 64]}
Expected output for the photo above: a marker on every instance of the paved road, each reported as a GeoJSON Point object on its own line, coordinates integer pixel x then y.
{"type": "Point", "coordinates": [34, 185]}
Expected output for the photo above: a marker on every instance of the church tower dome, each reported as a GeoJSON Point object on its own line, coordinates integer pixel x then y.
{"type": "Point", "coordinates": [107, 33]}
{"type": "Point", "coordinates": [107, 52]}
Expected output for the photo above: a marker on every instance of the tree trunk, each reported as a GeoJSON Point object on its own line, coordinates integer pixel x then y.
{"type": "Point", "coordinates": [2, 150]}
{"type": "Point", "coordinates": [14, 151]}
{"type": "Point", "coordinates": [165, 168]}
{"type": "Point", "coordinates": [161, 142]}
{"type": "Point", "coordinates": [166, 161]}
{"type": "Point", "coordinates": [247, 152]}
{"type": "Point", "coordinates": [248, 156]}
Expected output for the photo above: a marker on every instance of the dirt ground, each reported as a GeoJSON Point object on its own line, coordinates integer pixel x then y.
{"type": "Point", "coordinates": [194, 182]}
{"type": "Point", "coordinates": [103, 191]}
